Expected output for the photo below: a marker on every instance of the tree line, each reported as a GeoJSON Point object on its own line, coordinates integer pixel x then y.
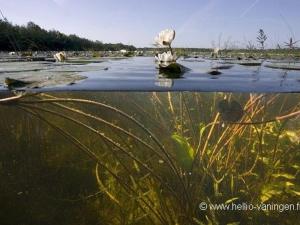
{"type": "Point", "coordinates": [32, 37]}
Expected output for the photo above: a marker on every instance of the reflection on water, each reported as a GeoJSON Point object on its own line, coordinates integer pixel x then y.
{"type": "Point", "coordinates": [148, 158]}
{"type": "Point", "coordinates": [141, 74]}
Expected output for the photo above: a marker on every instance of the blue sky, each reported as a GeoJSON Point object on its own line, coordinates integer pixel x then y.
{"type": "Point", "coordinates": [197, 22]}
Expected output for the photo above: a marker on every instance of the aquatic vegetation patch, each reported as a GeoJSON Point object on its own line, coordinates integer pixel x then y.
{"type": "Point", "coordinates": [155, 161]}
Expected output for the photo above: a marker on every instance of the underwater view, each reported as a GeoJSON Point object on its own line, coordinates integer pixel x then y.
{"type": "Point", "coordinates": [150, 158]}
{"type": "Point", "coordinates": [149, 112]}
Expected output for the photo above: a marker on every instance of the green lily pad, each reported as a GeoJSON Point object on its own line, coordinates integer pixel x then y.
{"type": "Point", "coordinates": [172, 70]}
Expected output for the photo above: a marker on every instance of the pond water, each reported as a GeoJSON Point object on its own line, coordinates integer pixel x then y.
{"type": "Point", "coordinates": [90, 158]}
{"type": "Point", "coordinates": [140, 74]}
{"type": "Point", "coordinates": [125, 145]}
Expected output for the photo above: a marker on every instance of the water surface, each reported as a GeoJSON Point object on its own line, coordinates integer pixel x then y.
{"type": "Point", "coordinates": [141, 74]}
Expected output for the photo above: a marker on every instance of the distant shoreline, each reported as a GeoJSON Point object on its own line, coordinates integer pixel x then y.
{"type": "Point", "coordinates": [34, 38]}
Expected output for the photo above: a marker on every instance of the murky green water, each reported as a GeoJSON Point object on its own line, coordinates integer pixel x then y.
{"type": "Point", "coordinates": [148, 158]}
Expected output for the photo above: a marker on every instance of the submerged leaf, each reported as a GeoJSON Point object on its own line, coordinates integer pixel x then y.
{"type": "Point", "coordinates": [295, 192]}
{"type": "Point", "coordinates": [270, 191]}
{"type": "Point", "coordinates": [185, 153]}
{"type": "Point", "coordinates": [284, 175]}
{"type": "Point", "coordinates": [292, 189]}
{"type": "Point", "coordinates": [202, 128]}
{"type": "Point", "coordinates": [293, 136]}
{"type": "Point", "coordinates": [231, 200]}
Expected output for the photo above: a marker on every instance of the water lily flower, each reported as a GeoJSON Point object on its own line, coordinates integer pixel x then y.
{"type": "Point", "coordinates": [166, 57]}
{"type": "Point", "coordinates": [217, 51]}
{"type": "Point", "coordinates": [165, 38]}
{"type": "Point", "coordinates": [167, 60]}
{"type": "Point", "coordinates": [60, 57]}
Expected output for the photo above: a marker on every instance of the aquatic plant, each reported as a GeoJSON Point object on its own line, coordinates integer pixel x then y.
{"type": "Point", "coordinates": [60, 57]}
{"type": "Point", "coordinates": [291, 44]}
{"type": "Point", "coordinates": [250, 46]}
{"type": "Point", "coordinates": [165, 38]}
{"type": "Point", "coordinates": [215, 148]}
{"type": "Point", "coordinates": [216, 53]}
{"type": "Point", "coordinates": [261, 38]}
{"type": "Point", "coordinates": [167, 60]}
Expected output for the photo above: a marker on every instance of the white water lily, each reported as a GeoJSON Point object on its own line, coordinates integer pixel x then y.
{"type": "Point", "coordinates": [165, 37]}
{"type": "Point", "coordinates": [167, 60]}
{"type": "Point", "coordinates": [60, 57]}
{"type": "Point", "coordinates": [217, 51]}
{"type": "Point", "coordinates": [166, 57]}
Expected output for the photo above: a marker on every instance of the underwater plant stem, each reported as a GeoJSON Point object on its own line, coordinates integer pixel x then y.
{"type": "Point", "coordinates": [131, 118]}
{"type": "Point", "coordinates": [190, 118]}
{"type": "Point", "coordinates": [113, 126]}
{"type": "Point", "coordinates": [277, 142]}
{"type": "Point", "coordinates": [117, 145]}
{"type": "Point", "coordinates": [170, 103]}
{"type": "Point", "coordinates": [170, 48]}
{"type": "Point", "coordinates": [85, 149]}
{"type": "Point", "coordinates": [209, 134]}
{"type": "Point", "coordinates": [152, 136]}
{"type": "Point", "coordinates": [288, 116]}
{"type": "Point", "coordinates": [11, 100]}
{"type": "Point", "coordinates": [181, 112]}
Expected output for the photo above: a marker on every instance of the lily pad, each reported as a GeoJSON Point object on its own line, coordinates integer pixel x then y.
{"type": "Point", "coordinates": [222, 67]}
{"type": "Point", "coordinates": [245, 62]}
{"type": "Point", "coordinates": [14, 83]}
{"type": "Point", "coordinates": [172, 70]}
{"type": "Point", "coordinates": [250, 63]}
{"type": "Point", "coordinates": [214, 72]}
{"type": "Point", "coordinates": [285, 66]}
